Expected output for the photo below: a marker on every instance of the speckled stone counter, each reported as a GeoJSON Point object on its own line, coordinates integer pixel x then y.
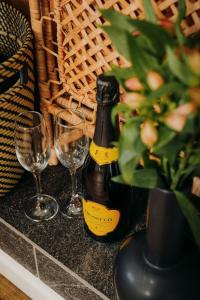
{"type": "Point", "coordinates": [58, 251]}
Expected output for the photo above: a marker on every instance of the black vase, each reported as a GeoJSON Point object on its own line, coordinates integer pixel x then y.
{"type": "Point", "coordinates": [159, 264]}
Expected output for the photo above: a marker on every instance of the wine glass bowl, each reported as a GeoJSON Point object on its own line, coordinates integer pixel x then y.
{"type": "Point", "coordinates": [32, 147]}
{"type": "Point", "coordinates": [71, 146]}
{"type": "Point", "coordinates": [33, 151]}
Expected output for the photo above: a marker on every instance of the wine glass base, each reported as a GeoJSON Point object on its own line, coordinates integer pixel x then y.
{"type": "Point", "coordinates": [72, 209]}
{"type": "Point", "coordinates": [44, 211]}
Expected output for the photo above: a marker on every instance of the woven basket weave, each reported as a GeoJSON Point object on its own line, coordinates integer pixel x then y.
{"type": "Point", "coordinates": [15, 41]}
{"type": "Point", "coordinates": [84, 51]}
{"type": "Point", "coordinates": [15, 35]}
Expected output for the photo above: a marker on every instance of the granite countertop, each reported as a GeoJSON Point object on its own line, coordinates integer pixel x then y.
{"type": "Point", "coordinates": [64, 240]}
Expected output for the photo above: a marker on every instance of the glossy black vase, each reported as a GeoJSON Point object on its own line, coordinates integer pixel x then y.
{"type": "Point", "coordinates": [159, 264]}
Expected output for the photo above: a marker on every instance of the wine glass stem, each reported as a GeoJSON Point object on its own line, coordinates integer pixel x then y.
{"type": "Point", "coordinates": [74, 183]}
{"type": "Point", "coordinates": [38, 187]}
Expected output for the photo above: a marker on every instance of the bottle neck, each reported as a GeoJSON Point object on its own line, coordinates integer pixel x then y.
{"type": "Point", "coordinates": [166, 228]}
{"type": "Point", "coordinates": [105, 132]}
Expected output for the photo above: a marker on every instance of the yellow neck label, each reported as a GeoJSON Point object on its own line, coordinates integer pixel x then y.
{"type": "Point", "coordinates": [99, 219]}
{"type": "Point", "coordinates": [102, 155]}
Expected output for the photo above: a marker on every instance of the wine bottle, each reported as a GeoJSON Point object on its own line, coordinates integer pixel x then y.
{"type": "Point", "coordinates": [106, 204]}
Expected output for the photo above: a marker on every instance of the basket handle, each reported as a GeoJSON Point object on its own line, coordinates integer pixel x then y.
{"type": "Point", "coordinates": [42, 37]}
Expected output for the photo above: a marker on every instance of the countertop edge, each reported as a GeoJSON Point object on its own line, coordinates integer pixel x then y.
{"type": "Point", "coordinates": [54, 260]}
{"type": "Point", "coordinates": [25, 280]}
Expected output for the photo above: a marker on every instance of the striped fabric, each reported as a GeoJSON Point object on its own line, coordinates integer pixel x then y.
{"type": "Point", "coordinates": [16, 59]}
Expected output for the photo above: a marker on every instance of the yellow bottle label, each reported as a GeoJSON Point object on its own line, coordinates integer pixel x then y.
{"type": "Point", "coordinates": [102, 155]}
{"type": "Point", "coordinates": [99, 219]}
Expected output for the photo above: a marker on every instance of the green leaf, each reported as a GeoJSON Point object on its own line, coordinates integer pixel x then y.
{"type": "Point", "coordinates": [167, 171]}
{"type": "Point", "coordinates": [190, 126]}
{"type": "Point", "coordinates": [194, 158]}
{"type": "Point", "coordinates": [142, 61]}
{"type": "Point", "coordinates": [130, 145]}
{"type": "Point", "coordinates": [117, 19]}
{"type": "Point", "coordinates": [146, 178]}
{"type": "Point", "coordinates": [149, 11]}
{"type": "Point", "coordinates": [146, 44]}
{"type": "Point", "coordinates": [158, 36]}
{"type": "Point", "coordinates": [191, 214]}
{"type": "Point", "coordinates": [127, 170]}
{"type": "Point", "coordinates": [121, 74]}
{"type": "Point", "coordinates": [117, 34]}
{"type": "Point", "coordinates": [171, 149]}
{"type": "Point", "coordinates": [166, 89]}
{"type": "Point", "coordinates": [189, 172]}
{"type": "Point", "coordinates": [180, 37]}
{"type": "Point", "coordinates": [130, 148]}
{"type": "Point", "coordinates": [180, 70]}
{"type": "Point", "coordinates": [149, 163]}
{"type": "Point", "coordinates": [181, 10]}
{"type": "Point", "coordinates": [165, 136]}
{"type": "Point", "coordinates": [130, 48]}
{"type": "Point", "coordinates": [181, 15]}
{"type": "Point", "coordinates": [119, 108]}
{"type": "Point", "coordinates": [118, 179]}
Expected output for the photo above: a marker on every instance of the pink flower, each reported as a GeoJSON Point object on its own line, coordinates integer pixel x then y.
{"type": "Point", "coordinates": [133, 100]}
{"type": "Point", "coordinates": [154, 80]}
{"type": "Point", "coordinates": [176, 119]}
{"type": "Point", "coordinates": [134, 84]}
{"type": "Point", "coordinates": [148, 133]}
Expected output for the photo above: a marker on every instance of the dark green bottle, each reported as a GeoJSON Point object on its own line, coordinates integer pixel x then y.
{"type": "Point", "coordinates": [106, 205]}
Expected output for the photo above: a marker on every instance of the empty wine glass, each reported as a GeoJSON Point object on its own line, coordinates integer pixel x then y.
{"type": "Point", "coordinates": [71, 145]}
{"type": "Point", "coordinates": [33, 151]}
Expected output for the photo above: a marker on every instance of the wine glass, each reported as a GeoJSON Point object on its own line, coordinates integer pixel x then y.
{"type": "Point", "coordinates": [33, 151]}
{"type": "Point", "coordinates": [71, 146]}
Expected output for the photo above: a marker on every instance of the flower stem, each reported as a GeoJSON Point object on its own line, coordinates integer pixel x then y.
{"type": "Point", "coordinates": [182, 166]}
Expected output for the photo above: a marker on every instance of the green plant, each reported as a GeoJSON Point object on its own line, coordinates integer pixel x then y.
{"type": "Point", "coordinates": [161, 104]}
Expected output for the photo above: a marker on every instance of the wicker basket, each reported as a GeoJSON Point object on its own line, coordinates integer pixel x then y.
{"type": "Point", "coordinates": [16, 38]}
{"type": "Point", "coordinates": [83, 50]}
{"type": "Point", "coordinates": [15, 41]}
